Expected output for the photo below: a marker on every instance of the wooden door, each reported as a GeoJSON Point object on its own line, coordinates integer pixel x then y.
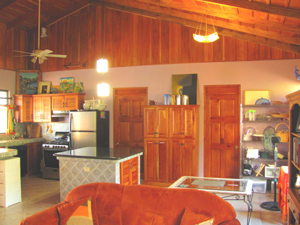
{"type": "Point", "coordinates": [221, 131]}
{"type": "Point", "coordinates": [176, 148]}
{"type": "Point", "coordinates": [128, 118]}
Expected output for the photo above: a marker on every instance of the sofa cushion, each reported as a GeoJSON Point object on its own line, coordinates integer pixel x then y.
{"type": "Point", "coordinates": [140, 203]}
{"type": "Point", "coordinates": [191, 218]}
{"type": "Point", "coordinates": [66, 209]}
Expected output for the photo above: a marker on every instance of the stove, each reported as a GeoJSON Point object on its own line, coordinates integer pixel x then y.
{"type": "Point", "coordinates": [50, 165]}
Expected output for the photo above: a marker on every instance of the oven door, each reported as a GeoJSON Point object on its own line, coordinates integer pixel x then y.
{"type": "Point", "coordinates": [49, 159]}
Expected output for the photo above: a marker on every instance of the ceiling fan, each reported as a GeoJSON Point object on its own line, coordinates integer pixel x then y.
{"type": "Point", "coordinates": [40, 54]}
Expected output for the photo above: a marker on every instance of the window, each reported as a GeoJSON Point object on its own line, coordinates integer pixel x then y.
{"type": "Point", "coordinates": [3, 110]}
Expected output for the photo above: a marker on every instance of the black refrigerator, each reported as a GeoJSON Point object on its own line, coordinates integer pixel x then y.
{"type": "Point", "coordinates": [89, 129]}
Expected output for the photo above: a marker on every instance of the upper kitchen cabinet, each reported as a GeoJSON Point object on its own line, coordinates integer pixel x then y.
{"type": "Point", "coordinates": [182, 121]}
{"type": "Point", "coordinates": [156, 123]}
{"type": "Point", "coordinates": [41, 108]}
{"type": "Point", "coordinates": [25, 104]}
{"type": "Point", "coordinates": [68, 101]}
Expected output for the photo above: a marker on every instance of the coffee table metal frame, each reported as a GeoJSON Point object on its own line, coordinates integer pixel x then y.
{"type": "Point", "coordinates": [246, 194]}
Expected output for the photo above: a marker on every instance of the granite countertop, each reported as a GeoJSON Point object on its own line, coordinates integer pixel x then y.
{"type": "Point", "coordinates": [100, 153]}
{"type": "Point", "coordinates": [19, 141]}
{"type": "Point", "coordinates": [7, 153]}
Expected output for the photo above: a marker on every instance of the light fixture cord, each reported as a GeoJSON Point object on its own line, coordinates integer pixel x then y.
{"type": "Point", "coordinates": [213, 24]}
{"type": "Point", "coordinates": [102, 28]}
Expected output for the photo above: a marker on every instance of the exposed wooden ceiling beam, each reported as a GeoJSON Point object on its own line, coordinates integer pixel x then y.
{"type": "Point", "coordinates": [267, 24]}
{"type": "Point", "coordinates": [259, 7]}
{"type": "Point", "coordinates": [8, 3]}
{"type": "Point", "coordinates": [33, 13]}
{"type": "Point", "coordinates": [222, 31]}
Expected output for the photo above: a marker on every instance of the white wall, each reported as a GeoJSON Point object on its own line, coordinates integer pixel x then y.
{"type": "Point", "coordinates": [276, 76]}
{"type": "Point", "coordinates": [8, 81]}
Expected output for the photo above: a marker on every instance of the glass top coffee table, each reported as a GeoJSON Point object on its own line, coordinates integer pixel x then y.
{"type": "Point", "coordinates": [234, 188]}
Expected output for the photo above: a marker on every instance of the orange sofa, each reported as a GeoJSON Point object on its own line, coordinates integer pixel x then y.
{"type": "Point", "coordinates": [113, 204]}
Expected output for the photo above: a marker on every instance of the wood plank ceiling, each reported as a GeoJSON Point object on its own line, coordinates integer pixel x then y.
{"type": "Point", "coordinates": [272, 23]}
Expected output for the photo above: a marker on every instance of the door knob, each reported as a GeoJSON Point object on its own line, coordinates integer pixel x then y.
{"type": "Point", "coordinates": [236, 147]}
{"type": "Point", "coordinates": [117, 144]}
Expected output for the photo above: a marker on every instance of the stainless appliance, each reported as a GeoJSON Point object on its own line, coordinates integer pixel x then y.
{"type": "Point", "coordinates": [89, 129]}
{"type": "Point", "coordinates": [50, 165]}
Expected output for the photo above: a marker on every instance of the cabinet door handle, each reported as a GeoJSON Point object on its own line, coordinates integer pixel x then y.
{"type": "Point", "coordinates": [65, 104]}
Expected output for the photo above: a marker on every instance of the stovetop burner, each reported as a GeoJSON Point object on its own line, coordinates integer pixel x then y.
{"type": "Point", "coordinates": [61, 141]}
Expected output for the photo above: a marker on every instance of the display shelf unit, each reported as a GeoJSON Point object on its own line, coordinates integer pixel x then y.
{"type": "Point", "coordinates": [293, 197]}
{"type": "Point", "coordinates": [260, 124]}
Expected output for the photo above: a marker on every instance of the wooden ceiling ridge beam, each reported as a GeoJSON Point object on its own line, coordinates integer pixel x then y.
{"type": "Point", "coordinates": [259, 7]}
{"type": "Point", "coordinates": [32, 13]}
{"type": "Point", "coordinates": [268, 24]}
{"type": "Point", "coordinates": [8, 3]}
{"type": "Point", "coordinates": [222, 31]}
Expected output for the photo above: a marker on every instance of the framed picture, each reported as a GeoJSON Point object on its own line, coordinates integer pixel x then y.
{"type": "Point", "coordinates": [44, 87]}
{"type": "Point", "coordinates": [27, 81]}
{"type": "Point", "coordinates": [185, 84]}
{"type": "Point", "coordinates": [54, 89]}
{"type": "Point", "coordinates": [78, 87]}
{"type": "Point", "coordinates": [66, 85]}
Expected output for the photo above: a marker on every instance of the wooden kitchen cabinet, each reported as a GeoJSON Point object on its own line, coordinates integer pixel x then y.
{"type": "Point", "coordinates": [68, 101]}
{"type": "Point", "coordinates": [41, 108]}
{"type": "Point", "coordinates": [156, 122]}
{"type": "Point", "coordinates": [129, 171]}
{"type": "Point", "coordinates": [25, 104]}
{"type": "Point", "coordinates": [157, 164]}
{"type": "Point", "coordinates": [171, 142]}
{"type": "Point", "coordinates": [182, 120]}
{"type": "Point", "coordinates": [34, 158]}
{"type": "Point", "coordinates": [183, 158]}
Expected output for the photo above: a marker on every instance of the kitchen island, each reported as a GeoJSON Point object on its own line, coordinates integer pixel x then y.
{"type": "Point", "coordinates": [97, 164]}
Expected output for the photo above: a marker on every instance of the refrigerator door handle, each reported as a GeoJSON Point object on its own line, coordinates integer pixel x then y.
{"type": "Point", "coordinates": [71, 121]}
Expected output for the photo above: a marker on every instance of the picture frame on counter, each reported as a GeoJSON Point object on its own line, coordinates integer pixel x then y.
{"type": "Point", "coordinates": [27, 81]}
{"type": "Point", "coordinates": [44, 87]}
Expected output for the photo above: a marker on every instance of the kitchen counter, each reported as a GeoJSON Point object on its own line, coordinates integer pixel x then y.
{"type": "Point", "coordinates": [7, 153]}
{"type": "Point", "coordinates": [92, 164]}
{"type": "Point", "coordinates": [19, 141]}
{"type": "Point", "coordinates": [100, 153]}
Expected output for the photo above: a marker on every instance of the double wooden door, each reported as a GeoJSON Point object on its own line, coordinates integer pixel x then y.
{"type": "Point", "coordinates": [222, 131]}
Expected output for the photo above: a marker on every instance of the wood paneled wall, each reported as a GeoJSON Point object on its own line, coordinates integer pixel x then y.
{"type": "Point", "coordinates": [129, 40]}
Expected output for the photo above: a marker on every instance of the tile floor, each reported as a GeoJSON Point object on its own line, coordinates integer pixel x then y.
{"type": "Point", "coordinates": [39, 194]}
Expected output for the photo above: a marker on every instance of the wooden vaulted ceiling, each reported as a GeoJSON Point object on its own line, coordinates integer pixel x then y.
{"type": "Point", "coordinates": [272, 23]}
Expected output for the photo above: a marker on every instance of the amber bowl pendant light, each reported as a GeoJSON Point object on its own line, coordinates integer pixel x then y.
{"type": "Point", "coordinates": [102, 65]}
{"type": "Point", "coordinates": [205, 38]}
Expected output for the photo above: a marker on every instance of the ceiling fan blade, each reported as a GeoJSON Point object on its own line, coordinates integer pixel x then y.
{"type": "Point", "coordinates": [47, 51]}
{"type": "Point", "coordinates": [22, 52]}
{"type": "Point", "coordinates": [34, 59]}
{"type": "Point", "coordinates": [57, 56]}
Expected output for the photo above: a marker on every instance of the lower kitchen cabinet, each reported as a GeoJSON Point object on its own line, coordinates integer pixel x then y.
{"type": "Point", "coordinates": [182, 158]}
{"type": "Point", "coordinates": [10, 181]}
{"type": "Point", "coordinates": [34, 157]}
{"type": "Point", "coordinates": [156, 165]}
{"type": "Point", "coordinates": [129, 171]}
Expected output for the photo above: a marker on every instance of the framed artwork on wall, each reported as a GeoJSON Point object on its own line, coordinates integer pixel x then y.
{"type": "Point", "coordinates": [185, 84]}
{"type": "Point", "coordinates": [27, 81]}
{"type": "Point", "coordinates": [66, 85]}
{"type": "Point", "coordinates": [44, 87]}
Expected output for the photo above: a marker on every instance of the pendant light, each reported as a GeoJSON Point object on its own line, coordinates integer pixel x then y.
{"type": "Point", "coordinates": [102, 65]}
{"type": "Point", "coordinates": [205, 38]}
